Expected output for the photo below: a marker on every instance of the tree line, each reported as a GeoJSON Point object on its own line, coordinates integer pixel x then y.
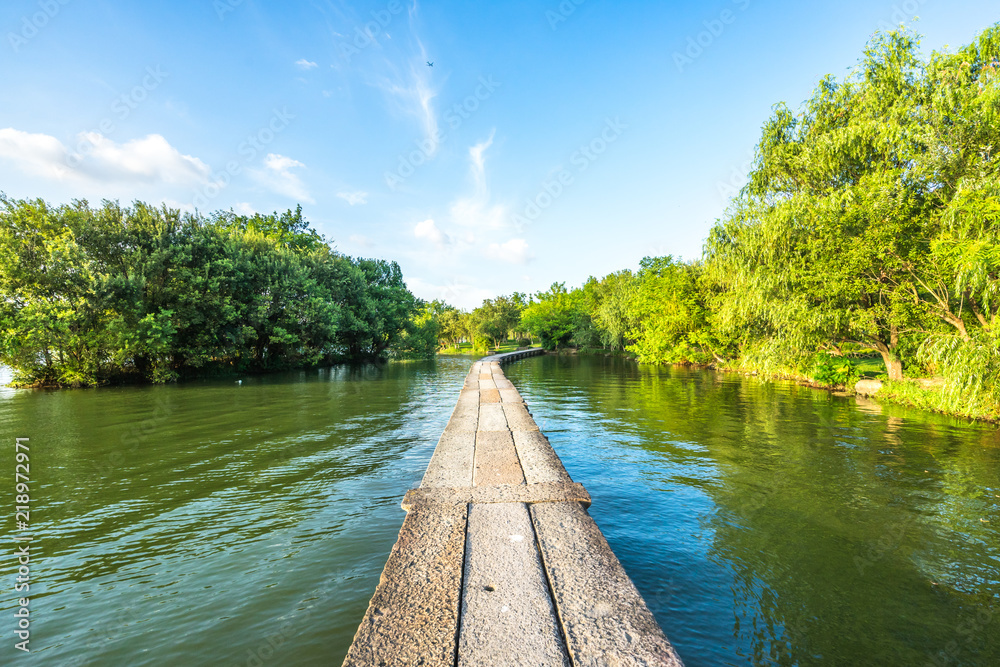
{"type": "Point", "coordinates": [869, 224]}
{"type": "Point", "coordinates": [92, 295]}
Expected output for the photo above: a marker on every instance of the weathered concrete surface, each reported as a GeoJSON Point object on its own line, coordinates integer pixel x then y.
{"type": "Point", "coordinates": [507, 613]}
{"type": "Point", "coordinates": [518, 417]}
{"type": "Point", "coordinates": [496, 460]}
{"type": "Point", "coordinates": [521, 493]}
{"type": "Point", "coordinates": [452, 463]}
{"type": "Point", "coordinates": [491, 417]}
{"type": "Point", "coordinates": [510, 396]}
{"type": "Point", "coordinates": [464, 418]}
{"type": "Point", "coordinates": [537, 581]}
{"type": "Point", "coordinates": [413, 617]}
{"type": "Point", "coordinates": [539, 461]}
{"type": "Point", "coordinates": [468, 396]}
{"type": "Point", "coordinates": [605, 620]}
{"type": "Point", "coordinates": [503, 383]}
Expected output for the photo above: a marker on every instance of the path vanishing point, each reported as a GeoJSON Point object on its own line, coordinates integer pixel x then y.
{"type": "Point", "coordinates": [498, 562]}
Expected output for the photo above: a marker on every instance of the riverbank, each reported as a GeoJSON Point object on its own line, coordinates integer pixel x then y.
{"type": "Point", "coordinates": [930, 394]}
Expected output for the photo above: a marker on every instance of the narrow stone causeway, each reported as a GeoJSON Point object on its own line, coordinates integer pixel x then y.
{"type": "Point", "coordinates": [498, 561]}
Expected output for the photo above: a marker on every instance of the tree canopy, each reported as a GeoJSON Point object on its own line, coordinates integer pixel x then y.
{"type": "Point", "coordinates": [95, 295]}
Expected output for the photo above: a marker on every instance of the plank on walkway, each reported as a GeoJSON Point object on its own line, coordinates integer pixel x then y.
{"type": "Point", "coordinates": [413, 617]}
{"type": "Point", "coordinates": [605, 620]}
{"type": "Point", "coordinates": [452, 463]}
{"type": "Point", "coordinates": [518, 417]}
{"type": "Point", "coordinates": [507, 614]}
{"type": "Point", "coordinates": [538, 460]}
{"type": "Point", "coordinates": [496, 460]}
{"type": "Point", "coordinates": [491, 417]}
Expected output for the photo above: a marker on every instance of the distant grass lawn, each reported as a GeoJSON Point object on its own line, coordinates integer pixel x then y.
{"type": "Point", "coordinates": [466, 348]}
{"type": "Point", "coordinates": [868, 367]}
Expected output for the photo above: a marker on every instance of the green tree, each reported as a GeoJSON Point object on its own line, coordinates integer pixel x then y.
{"type": "Point", "coordinates": [816, 250]}
{"type": "Point", "coordinates": [552, 316]}
{"type": "Point", "coordinates": [496, 318]}
{"type": "Point", "coordinates": [670, 314]}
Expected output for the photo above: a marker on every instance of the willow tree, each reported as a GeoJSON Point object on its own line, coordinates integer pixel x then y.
{"type": "Point", "coordinates": [961, 277]}
{"type": "Point", "coordinates": [817, 250]}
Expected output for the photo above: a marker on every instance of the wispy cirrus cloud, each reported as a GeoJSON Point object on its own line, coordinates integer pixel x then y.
{"type": "Point", "coordinates": [476, 210]}
{"type": "Point", "coordinates": [413, 93]}
{"type": "Point", "coordinates": [304, 64]}
{"type": "Point", "coordinates": [514, 251]}
{"type": "Point", "coordinates": [278, 176]}
{"type": "Point", "coordinates": [354, 198]}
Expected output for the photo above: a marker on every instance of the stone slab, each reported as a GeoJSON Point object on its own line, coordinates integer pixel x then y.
{"type": "Point", "coordinates": [487, 384]}
{"type": "Point", "coordinates": [469, 396]}
{"type": "Point", "coordinates": [539, 460]}
{"type": "Point", "coordinates": [518, 417]}
{"type": "Point", "coordinates": [413, 617]}
{"type": "Point", "coordinates": [489, 396]}
{"type": "Point", "coordinates": [605, 620]}
{"type": "Point", "coordinates": [451, 465]}
{"type": "Point", "coordinates": [503, 383]}
{"type": "Point", "coordinates": [491, 417]}
{"type": "Point", "coordinates": [507, 613]}
{"type": "Point", "coordinates": [521, 493]}
{"type": "Point", "coordinates": [464, 418]}
{"type": "Point", "coordinates": [510, 396]}
{"type": "Point", "coordinates": [496, 460]}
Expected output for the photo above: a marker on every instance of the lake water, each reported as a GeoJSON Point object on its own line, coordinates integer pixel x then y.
{"type": "Point", "coordinates": [216, 523]}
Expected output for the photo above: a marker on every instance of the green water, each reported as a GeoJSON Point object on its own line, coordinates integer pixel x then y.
{"type": "Point", "coordinates": [217, 523]}
{"type": "Point", "coordinates": [770, 524]}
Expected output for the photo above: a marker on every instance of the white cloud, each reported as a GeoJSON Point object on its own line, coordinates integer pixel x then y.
{"type": "Point", "coordinates": [243, 208]}
{"type": "Point", "coordinates": [361, 240]}
{"type": "Point", "coordinates": [456, 291]}
{"type": "Point", "coordinates": [476, 210]}
{"type": "Point", "coordinates": [414, 93]}
{"type": "Point", "coordinates": [185, 207]}
{"type": "Point", "coordinates": [277, 176]}
{"type": "Point", "coordinates": [305, 64]}
{"type": "Point", "coordinates": [354, 198]}
{"type": "Point", "coordinates": [429, 230]}
{"type": "Point", "coordinates": [514, 251]}
{"type": "Point", "coordinates": [150, 159]}
{"type": "Point", "coordinates": [36, 154]}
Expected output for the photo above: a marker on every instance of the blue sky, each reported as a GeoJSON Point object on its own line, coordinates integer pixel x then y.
{"type": "Point", "coordinates": [549, 142]}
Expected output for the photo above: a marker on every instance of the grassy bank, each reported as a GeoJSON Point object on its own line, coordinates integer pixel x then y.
{"type": "Point", "coordinates": [936, 397]}
{"type": "Point", "coordinates": [470, 349]}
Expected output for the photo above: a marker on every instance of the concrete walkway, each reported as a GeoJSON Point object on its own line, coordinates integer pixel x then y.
{"type": "Point", "coordinates": [498, 562]}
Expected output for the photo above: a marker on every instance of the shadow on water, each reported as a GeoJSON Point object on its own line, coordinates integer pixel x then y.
{"type": "Point", "coordinates": [772, 524]}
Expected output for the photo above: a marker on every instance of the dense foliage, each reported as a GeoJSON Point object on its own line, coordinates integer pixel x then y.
{"type": "Point", "coordinates": [96, 295]}
{"type": "Point", "coordinates": [870, 224]}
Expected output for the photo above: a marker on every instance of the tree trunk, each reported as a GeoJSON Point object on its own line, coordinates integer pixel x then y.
{"type": "Point", "coordinates": [895, 368]}
{"type": "Point", "coordinates": [893, 364]}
